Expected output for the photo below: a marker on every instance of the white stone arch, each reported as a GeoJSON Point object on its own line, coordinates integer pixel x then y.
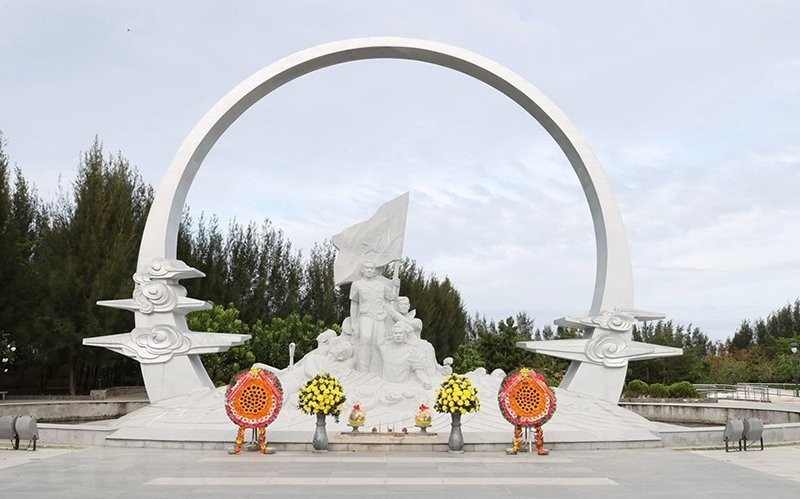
{"type": "Point", "coordinates": [599, 360]}
{"type": "Point", "coordinates": [613, 282]}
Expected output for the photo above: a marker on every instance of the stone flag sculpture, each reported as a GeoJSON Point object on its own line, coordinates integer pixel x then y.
{"type": "Point", "coordinates": [378, 240]}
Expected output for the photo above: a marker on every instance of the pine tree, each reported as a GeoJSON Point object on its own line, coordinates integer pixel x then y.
{"type": "Point", "coordinates": [525, 325]}
{"type": "Point", "coordinates": [88, 254]}
{"type": "Point", "coordinates": [7, 243]}
{"type": "Point", "coordinates": [743, 338]}
{"type": "Point", "coordinates": [281, 271]}
{"type": "Point", "coordinates": [21, 224]}
{"type": "Point", "coordinates": [438, 305]}
{"type": "Point", "coordinates": [321, 299]}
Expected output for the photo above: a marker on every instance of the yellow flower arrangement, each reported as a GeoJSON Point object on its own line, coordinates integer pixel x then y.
{"type": "Point", "coordinates": [322, 394]}
{"type": "Point", "coordinates": [457, 395]}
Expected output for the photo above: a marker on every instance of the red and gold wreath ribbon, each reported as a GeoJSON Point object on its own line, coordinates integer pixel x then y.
{"type": "Point", "coordinates": [254, 398]}
{"type": "Point", "coordinates": [237, 448]}
{"type": "Point", "coordinates": [525, 399]}
{"type": "Point", "coordinates": [517, 439]}
{"type": "Point", "coordinates": [540, 442]}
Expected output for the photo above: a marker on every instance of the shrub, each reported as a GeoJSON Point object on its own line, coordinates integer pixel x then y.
{"type": "Point", "coordinates": [658, 390]}
{"type": "Point", "coordinates": [683, 390]}
{"type": "Point", "coordinates": [636, 388]}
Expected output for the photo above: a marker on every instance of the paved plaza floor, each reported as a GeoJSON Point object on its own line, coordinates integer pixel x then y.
{"type": "Point", "coordinates": [124, 472]}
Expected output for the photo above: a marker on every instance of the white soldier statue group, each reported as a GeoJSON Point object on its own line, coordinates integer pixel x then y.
{"type": "Point", "coordinates": [381, 340]}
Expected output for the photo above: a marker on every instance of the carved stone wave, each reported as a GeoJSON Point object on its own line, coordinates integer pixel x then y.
{"type": "Point", "coordinates": [158, 344]}
{"type": "Point", "coordinates": [156, 296]}
{"type": "Point", "coordinates": [608, 350]}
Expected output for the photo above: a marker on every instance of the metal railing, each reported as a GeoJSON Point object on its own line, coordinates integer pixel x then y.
{"type": "Point", "coordinates": [741, 391]}
{"type": "Point", "coordinates": [761, 392]}
{"type": "Point", "coordinates": [784, 389]}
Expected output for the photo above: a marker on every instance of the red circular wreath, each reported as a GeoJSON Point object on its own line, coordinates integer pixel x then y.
{"type": "Point", "coordinates": [254, 398]}
{"type": "Point", "coordinates": [525, 399]}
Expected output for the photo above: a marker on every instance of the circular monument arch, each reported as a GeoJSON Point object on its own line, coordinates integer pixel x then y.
{"type": "Point", "coordinates": [169, 352]}
{"type": "Point", "coordinates": [614, 282]}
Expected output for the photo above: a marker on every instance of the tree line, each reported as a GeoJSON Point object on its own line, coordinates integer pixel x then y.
{"type": "Point", "coordinates": [758, 352]}
{"type": "Point", "coordinates": [59, 257]}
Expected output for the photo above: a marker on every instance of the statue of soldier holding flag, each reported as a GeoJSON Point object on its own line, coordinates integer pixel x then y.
{"type": "Point", "coordinates": [370, 300]}
{"type": "Point", "coordinates": [364, 249]}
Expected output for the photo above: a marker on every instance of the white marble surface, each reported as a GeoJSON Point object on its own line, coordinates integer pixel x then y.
{"type": "Point", "coordinates": [201, 416]}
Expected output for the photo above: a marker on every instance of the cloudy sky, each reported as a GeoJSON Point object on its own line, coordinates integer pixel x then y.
{"type": "Point", "coordinates": [693, 109]}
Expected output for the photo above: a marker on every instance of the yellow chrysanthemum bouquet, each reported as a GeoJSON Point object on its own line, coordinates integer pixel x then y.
{"type": "Point", "coordinates": [322, 394]}
{"type": "Point", "coordinates": [457, 395]}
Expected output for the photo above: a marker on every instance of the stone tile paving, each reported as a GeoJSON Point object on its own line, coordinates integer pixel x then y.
{"type": "Point", "coordinates": [121, 472]}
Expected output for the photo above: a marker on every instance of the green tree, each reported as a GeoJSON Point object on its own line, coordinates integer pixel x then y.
{"type": "Point", "coordinates": [221, 367]}
{"type": "Point", "coordinates": [185, 249]}
{"type": "Point", "coordinates": [8, 263]}
{"type": "Point", "coordinates": [476, 325]}
{"type": "Point", "coordinates": [243, 284]}
{"type": "Point", "coordinates": [499, 349]}
{"type": "Point", "coordinates": [252, 267]}
{"type": "Point", "coordinates": [280, 270]}
{"type": "Point", "coordinates": [439, 306]}
{"type": "Point", "coordinates": [743, 338]}
{"type": "Point", "coordinates": [8, 353]}
{"type": "Point", "coordinates": [525, 325]}
{"type": "Point", "coordinates": [21, 223]}
{"type": "Point", "coordinates": [787, 368]}
{"type": "Point", "coordinates": [18, 277]}
{"type": "Point", "coordinates": [730, 370]}
{"type": "Point", "coordinates": [567, 333]}
{"type": "Point", "coordinates": [692, 366]}
{"type": "Point", "coordinates": [17, 242]}
{"type": "Point", "coordinates": [546, 334]}
{"type": "Point", "coordinates": [87, 254]}
{"type": "Point", "coordinates": [205, 252]}
{"type": "Point", "coordinates": [270, 343]}
{"type": "Point", "coordinates": [320, 297]}
{"type": "Point", "coordinates": [467, 358]}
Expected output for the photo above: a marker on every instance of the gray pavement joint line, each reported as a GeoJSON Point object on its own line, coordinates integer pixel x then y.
{"type": "Point", "coordinates": [393, 481]}
{"type": "Point", "coordinates": [387, 459]}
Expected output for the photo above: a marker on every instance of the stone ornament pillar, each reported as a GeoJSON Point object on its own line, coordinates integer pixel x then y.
{"type": "Point", "coordinates": [161, 342]}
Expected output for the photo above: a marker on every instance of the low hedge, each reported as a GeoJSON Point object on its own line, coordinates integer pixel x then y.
{"type": "Point", "coordinates": [681, 390]}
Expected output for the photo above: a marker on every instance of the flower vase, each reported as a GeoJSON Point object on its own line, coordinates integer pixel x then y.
{"type": "Point", "coordinates": [320, 441]}
{"type": "Point", "coordinates": [456, 441]}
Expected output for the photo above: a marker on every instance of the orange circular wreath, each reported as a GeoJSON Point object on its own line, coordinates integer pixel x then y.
{"type": "Point", "coordinates": [525, 399]}
{"type": "Point", "coordinates": [254, 398]}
